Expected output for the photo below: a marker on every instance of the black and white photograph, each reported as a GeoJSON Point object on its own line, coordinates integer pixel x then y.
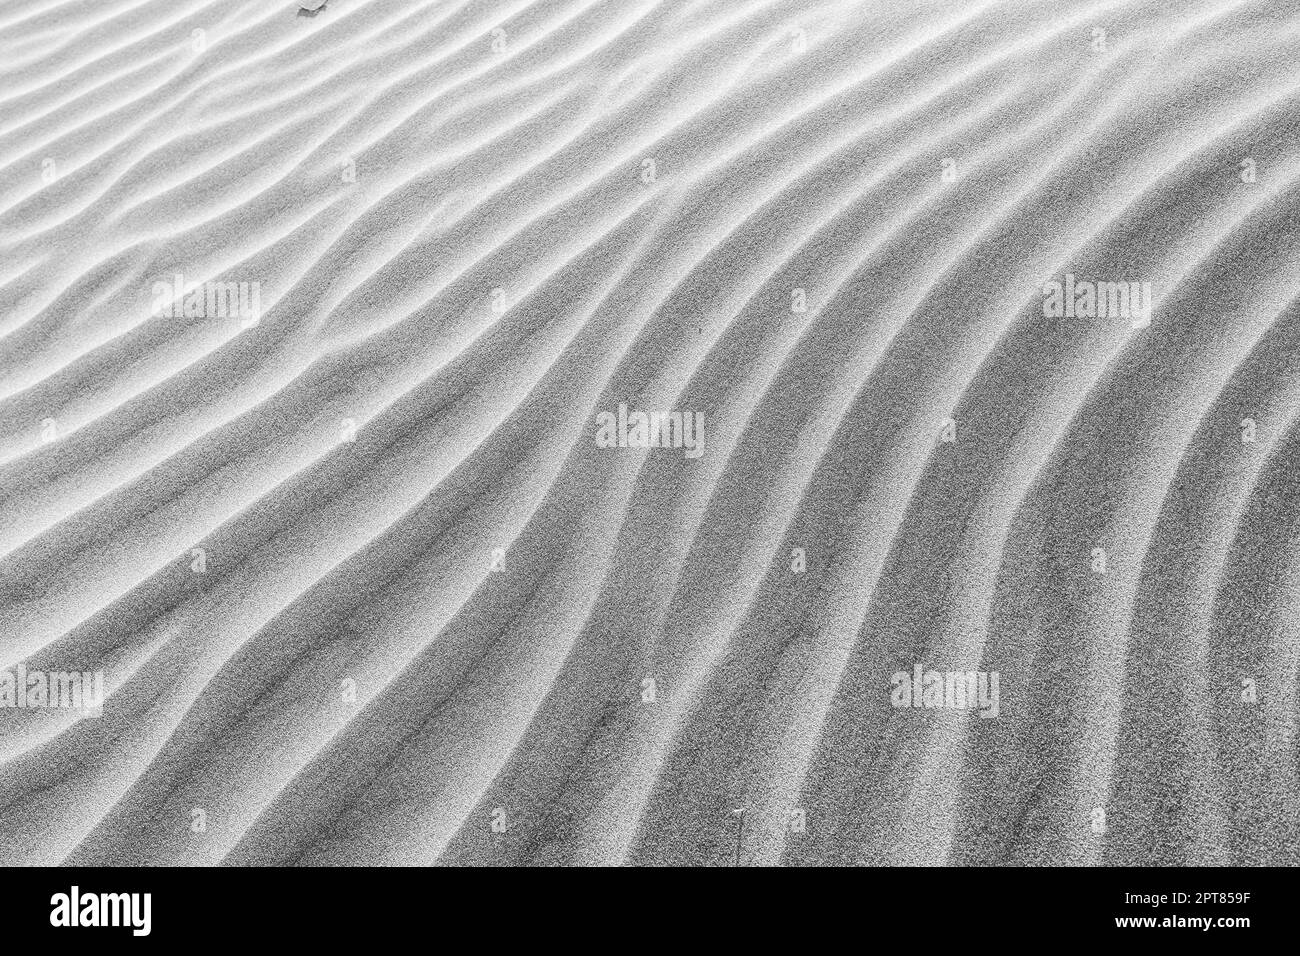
{"type": "Point", "coordinates": [684, 434]}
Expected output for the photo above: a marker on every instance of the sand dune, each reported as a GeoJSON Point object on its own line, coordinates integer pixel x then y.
{"type": "Point", "coordinates": [311, 328]}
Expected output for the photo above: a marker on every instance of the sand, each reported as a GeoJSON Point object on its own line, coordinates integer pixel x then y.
{"type": "Point", "coordinates": [329, 346]}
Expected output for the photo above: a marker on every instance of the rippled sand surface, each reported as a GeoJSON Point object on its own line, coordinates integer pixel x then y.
{"type": "Point", "coordinates": [325, 346]}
